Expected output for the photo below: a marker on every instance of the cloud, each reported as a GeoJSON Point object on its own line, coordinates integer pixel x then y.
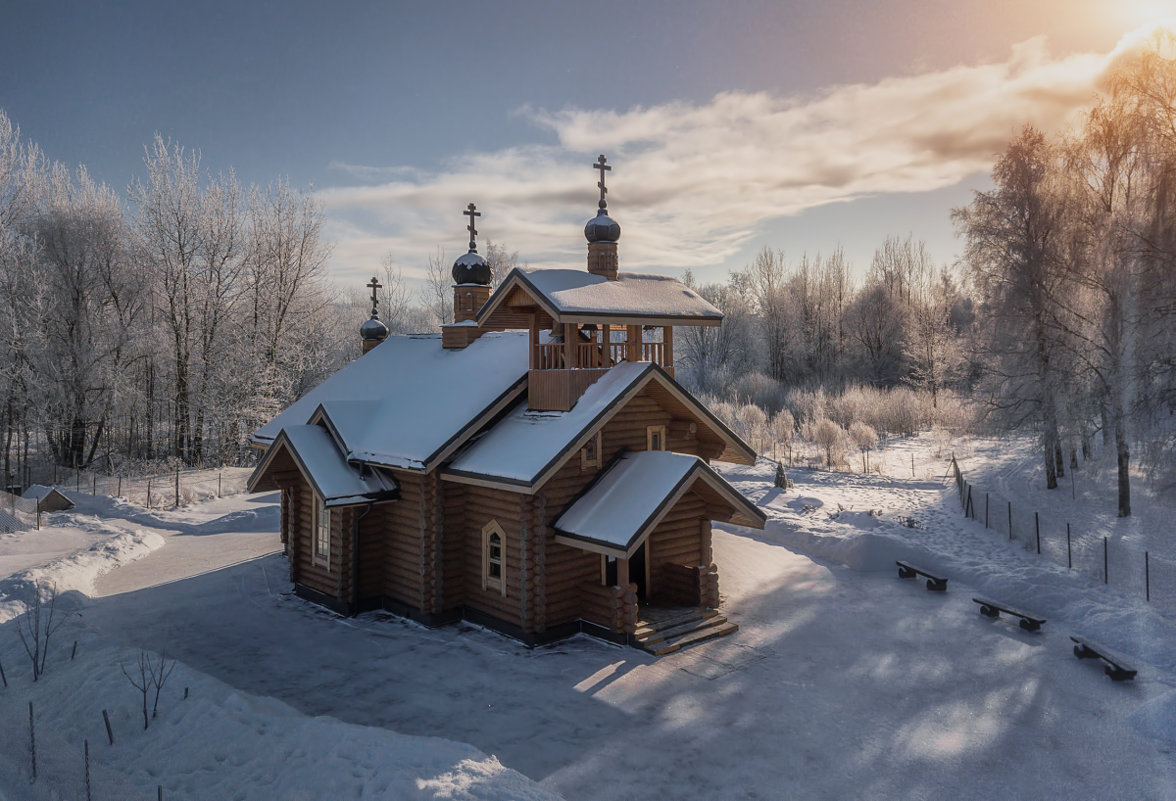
{"type": "Point", "coordinates": [695, 182]}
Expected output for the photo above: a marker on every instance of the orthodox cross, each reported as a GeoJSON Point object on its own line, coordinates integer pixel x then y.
{"type": "Point", "coordinates": [472, 212]}
{"type": "Point", "coordinates": [373, 286]}
{"type": "Point", "coordinates": [602, 165]}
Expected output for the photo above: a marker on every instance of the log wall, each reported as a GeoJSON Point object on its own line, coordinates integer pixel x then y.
{"type": "Point", "coordinates": [402, 552]}
{"type": "Point", "coordinates": [677, 540]}
{"type": "Point", "coordinates": [509, 510]}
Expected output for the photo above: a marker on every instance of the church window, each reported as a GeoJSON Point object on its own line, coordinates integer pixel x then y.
{"type": "Point", "coordinates": [590, 453]}
{"type": "Point", "coordinates": [655, 438]}
{"type": "Point", "coordinates": [494, 557]}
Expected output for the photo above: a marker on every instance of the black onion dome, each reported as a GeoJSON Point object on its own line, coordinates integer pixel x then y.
{"type": "Point", "coordinates": [602, 228]}
{"type": "Point", "coordinates": [373, 330]}
{"type": "Point", "coordinates": [472, 269]}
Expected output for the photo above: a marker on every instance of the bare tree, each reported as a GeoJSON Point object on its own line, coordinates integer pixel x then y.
{"type": "Point", "coordinates": [140, 678]}
{"type": "Point", "coordinates": [160, 669]}
{"type": "Point", "coordinates": [437, 293]}
{"type": "Point", "coordinates": [38, 624]}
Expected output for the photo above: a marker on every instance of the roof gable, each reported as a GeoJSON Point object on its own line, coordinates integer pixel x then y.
{"type": "Point", "coordinates": [525, 448]}
{"type": "Point", "coordinates": [317, 456]}
{"type": "Point", "coordinates": [577, 296]}
{"type": "Point", "coordinates": [627, 502]}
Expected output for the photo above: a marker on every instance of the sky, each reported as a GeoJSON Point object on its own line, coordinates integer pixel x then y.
{"type": "Point", "coordinates": [731, 125]}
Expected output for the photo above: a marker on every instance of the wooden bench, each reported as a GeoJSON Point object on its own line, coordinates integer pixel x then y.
{"type": "Point", "coordinates": [1116, 667]}
{"type": "Point", "coordinates": [993, 609]}
{"type": "Point", "coordinates": [908, 571]}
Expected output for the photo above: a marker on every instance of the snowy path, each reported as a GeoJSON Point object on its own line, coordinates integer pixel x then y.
{"type": "Point", "coordinates": [221, 533]}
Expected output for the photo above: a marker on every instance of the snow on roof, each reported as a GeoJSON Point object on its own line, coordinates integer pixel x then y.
{"type": "Point", "coordinates": [617, 507]}
{"type": "Point", "coordinates": [40, 492]}
{"type": "Point", "coordinates": [524, 443]}
{"type": "Point", "coordinates": [575, 293]}
{"type": "Point", "coordinates": [407, 399]}
{"type": "Point", "coordinates": [338, 482]}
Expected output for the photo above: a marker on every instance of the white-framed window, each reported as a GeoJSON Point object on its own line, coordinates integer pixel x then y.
{"type": "Point", "coordinates": [322, 534]}
{"type": "Point", "coordinates": [494, 557]}
{"type": "Point", "coordinates": [590, 454]}
{"type": "Point", "coordinates": [655, 438]}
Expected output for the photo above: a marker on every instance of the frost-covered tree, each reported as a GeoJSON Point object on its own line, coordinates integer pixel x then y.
{"type": "Point", "coordinates": [1012, 237]}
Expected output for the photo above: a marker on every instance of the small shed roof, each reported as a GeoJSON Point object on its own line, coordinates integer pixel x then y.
{"type": "Point", "coordinates": [320, 461]}
{"type": "Point", "coordinates": [409, 402]}
{"type": "Point", "coordinates": [47, 496]}
{"type": "Point", "coordinates": [578, 296]}
{"type": "Point", "coordinates": [631, 497]}
{"type": "Point", "coordinates": [38, 492]}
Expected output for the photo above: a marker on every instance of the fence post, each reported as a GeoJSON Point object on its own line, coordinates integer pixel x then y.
{"type": "Point", "coordinates": [1010, 520]}
{"type": "Point", "coordinates": [1037, 528]}
{"type": "Point", "coordinates": [32, 741]}
{"type": "Point", "coordinates": [969, 510]}
{"type": "Point", "coordinates": [218, 485]}
{"type": "Point", "coordinates": [38, 514]}
{"type": "Point", "coordinates": [177, 486]}
{"type": "Point", "coordinates": [1069, 557]}
{"type": "Point", "coordinates": [119, 493]}
{"type": "Point", "coordinates": [94, 487]}
{"type": "Point", "coordinates": [1105, 575]}
{"type": "Point", "coordinates": [148, 492]}
{"type": "Point", "coordinates": [986, 510]}
{"type": "Point", "coordinates": [77, 479]}
{"type": "Point", "coordinates": [1147, 576]}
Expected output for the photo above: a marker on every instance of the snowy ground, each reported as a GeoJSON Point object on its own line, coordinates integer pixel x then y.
{"type": "Point", "coordinates": [843, 682]}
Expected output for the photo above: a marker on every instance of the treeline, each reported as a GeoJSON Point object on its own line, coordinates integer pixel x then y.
{"type": "Point", "coordinates": [806, 353]}
{"type": "Point", "coordinates": [166, 325]}
{"type": "Point", "coordinates": [1073, 257]}
{"type": "Point", "coordinates": [166, 322]}
{"type": "Point", "coordinates": [809, 324]}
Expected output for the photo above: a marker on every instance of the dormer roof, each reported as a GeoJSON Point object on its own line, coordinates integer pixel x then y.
{"type": "Point", "coordinates": [577, 296]}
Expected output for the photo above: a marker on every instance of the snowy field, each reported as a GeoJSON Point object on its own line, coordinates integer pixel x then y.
{"type": "Point", "coordinates": [843, 682]}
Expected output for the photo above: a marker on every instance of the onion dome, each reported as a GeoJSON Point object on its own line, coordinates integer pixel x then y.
{"type": "Point", "coordinates": [373, 330]}
{"type": "Point", "coordinates": [602, 228]}
{"type": "Point", "coordinates": [472, 268]}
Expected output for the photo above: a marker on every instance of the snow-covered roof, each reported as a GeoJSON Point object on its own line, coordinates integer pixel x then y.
{"type": "Point", "coordinates": [525, 444]}
{"type": "Point", "coordinates": [576, 295]}
{"type": "Point", "coordinates": [630, 498]}
{"type": "Point", "coordinates": [319, 459]}
{"type": "Point", "coordinates": [525, 447]}
{"type": "Point", "coordinates": [409, 402]}
{"type": "Point", "coordinates": [39, 492]}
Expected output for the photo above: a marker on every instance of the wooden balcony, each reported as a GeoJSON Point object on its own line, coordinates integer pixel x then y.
{"type": "Point", "coordinates": [593, 355]}
{"type": "Point", "coordinates": [561, 371]}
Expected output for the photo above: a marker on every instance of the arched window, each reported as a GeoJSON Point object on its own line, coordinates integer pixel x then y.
{"type": "Point", "coordinates": [494, 557]}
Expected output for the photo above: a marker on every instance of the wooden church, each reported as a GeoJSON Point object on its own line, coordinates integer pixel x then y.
{"type": "Point", "coordinates": [535, 468]}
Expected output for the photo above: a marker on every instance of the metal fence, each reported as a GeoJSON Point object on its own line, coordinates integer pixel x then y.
{"type": "Point", "coordinates": [1108, 558]}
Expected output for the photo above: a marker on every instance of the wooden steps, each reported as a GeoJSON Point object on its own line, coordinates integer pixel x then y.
{"type": "Point", "coordinates": [675, 630]}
